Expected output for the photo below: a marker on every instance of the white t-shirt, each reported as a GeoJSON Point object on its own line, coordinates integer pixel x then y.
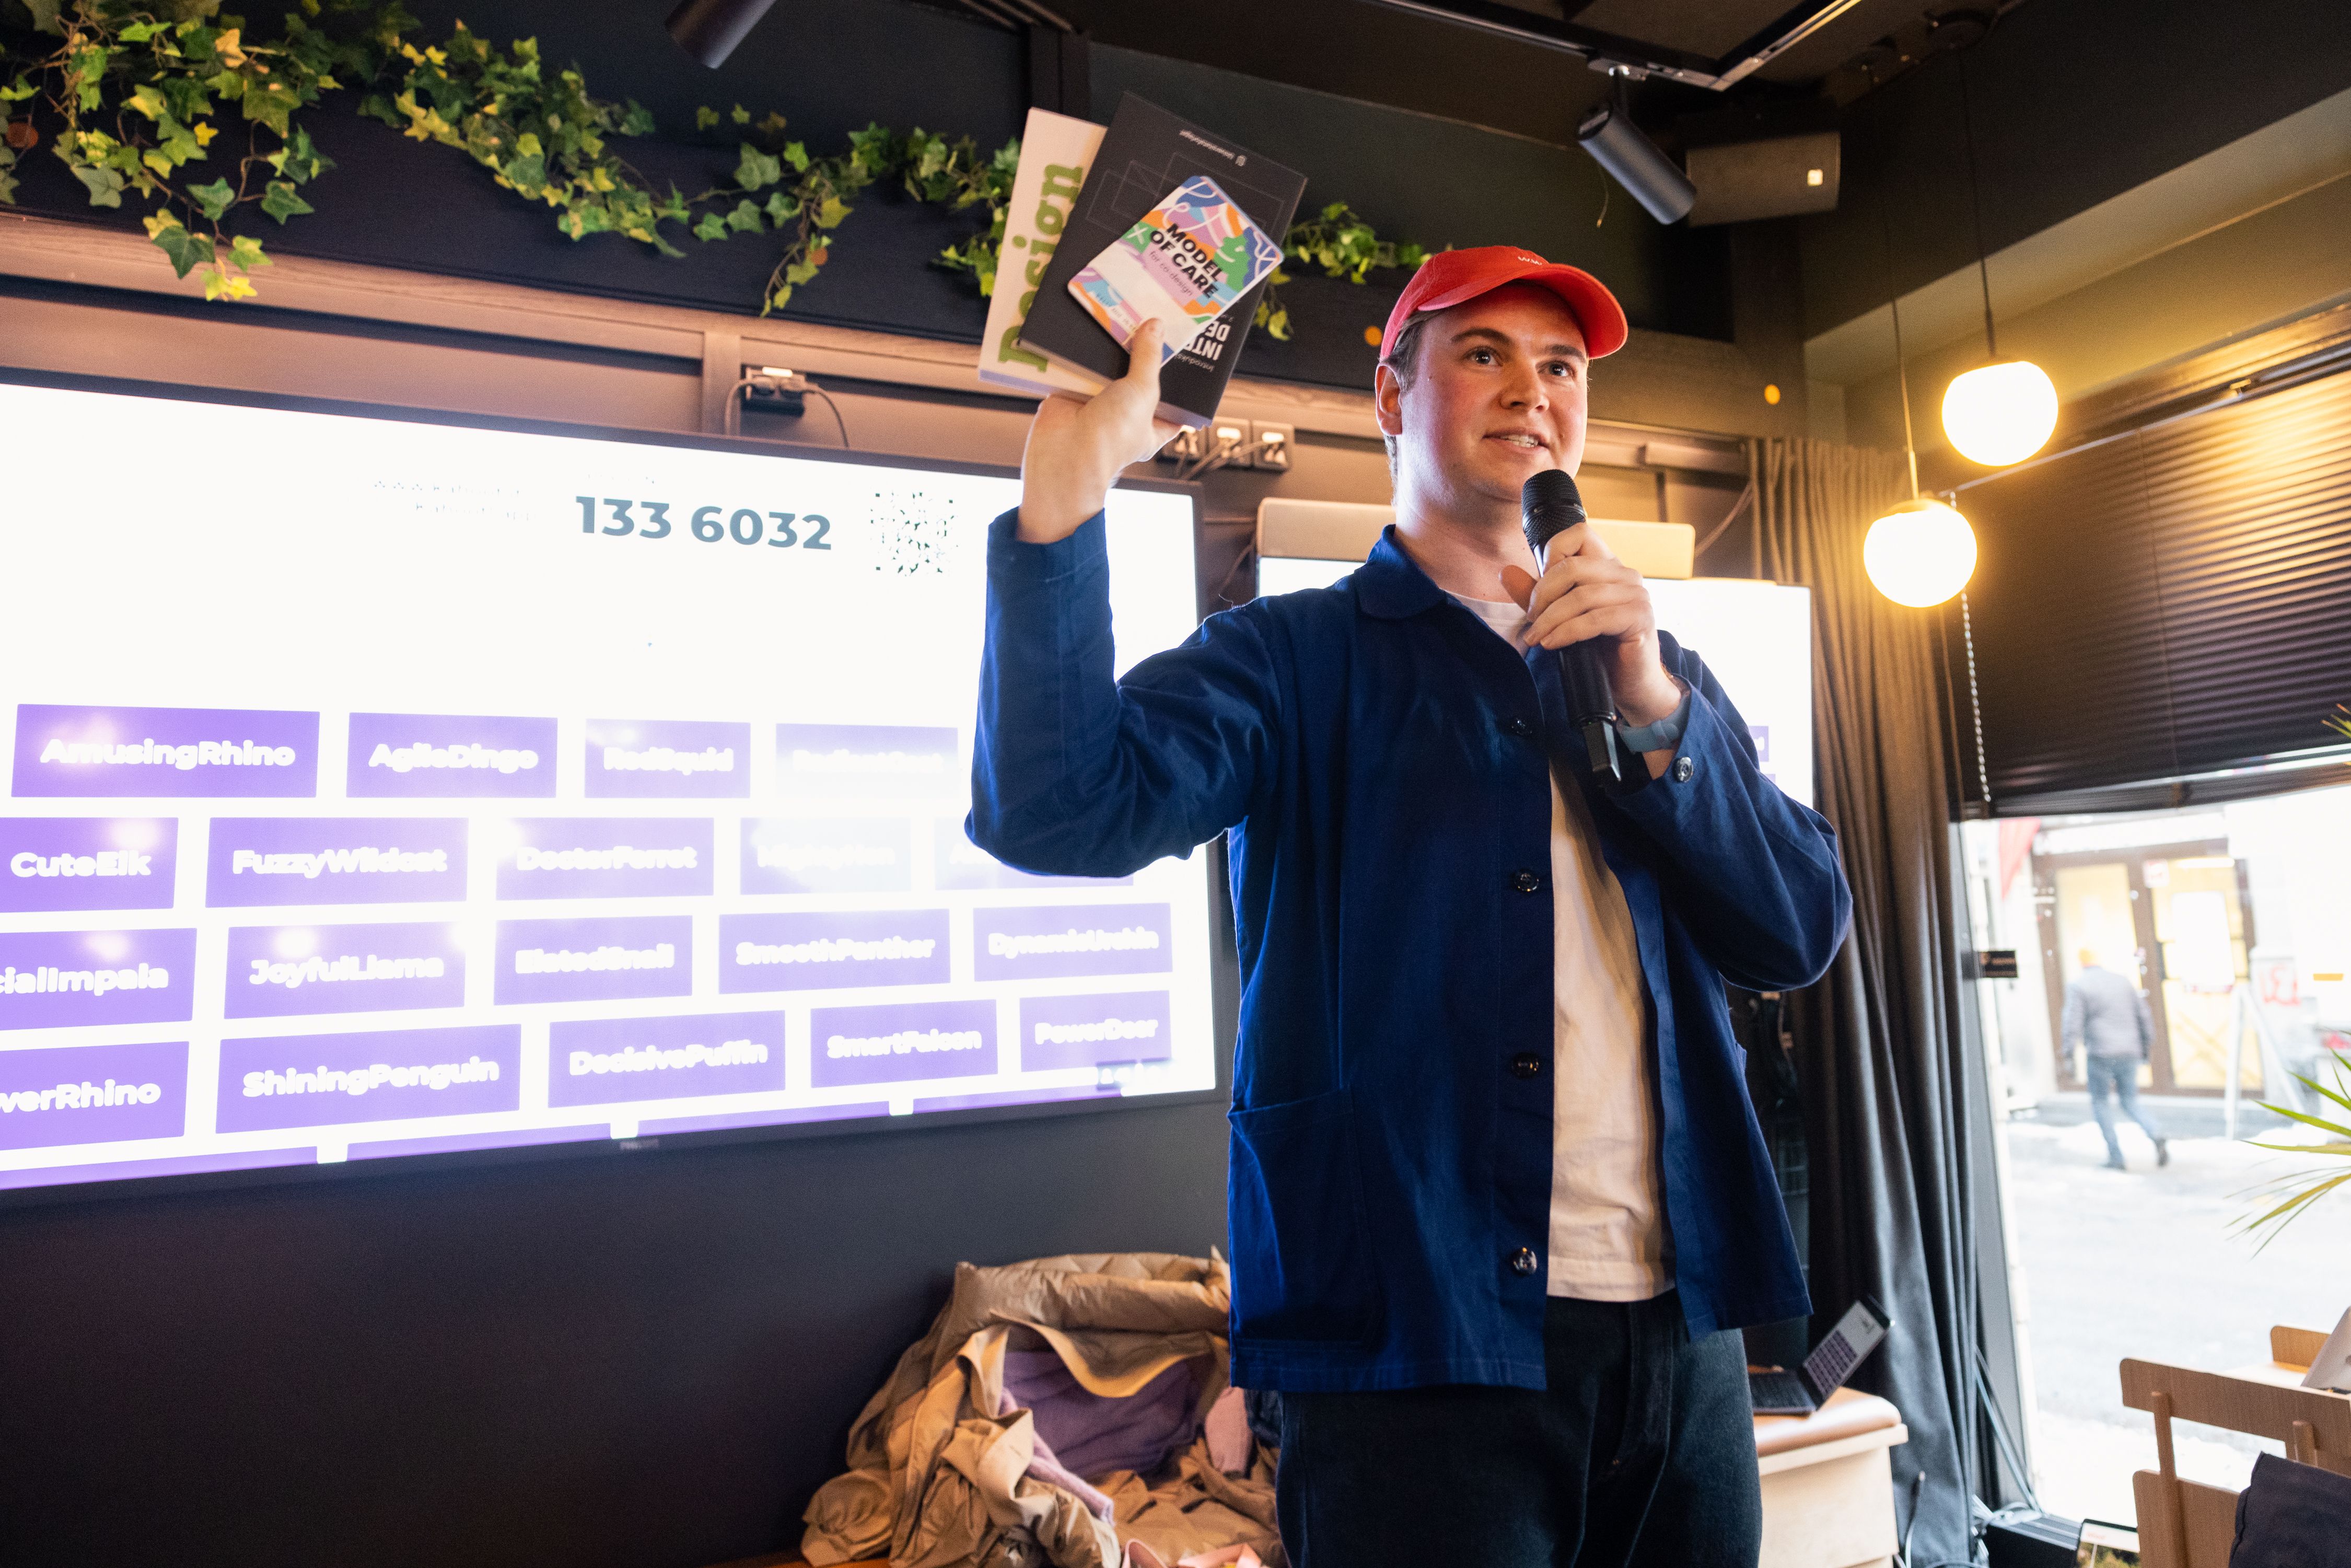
{"type": "Point", "coordinates": [1609, 1240]}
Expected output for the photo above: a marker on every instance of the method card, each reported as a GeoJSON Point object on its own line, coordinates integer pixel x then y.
{"type": "Point", "coordinates": [1183, 263]}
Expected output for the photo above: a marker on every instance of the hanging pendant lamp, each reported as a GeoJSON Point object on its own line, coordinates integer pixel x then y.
{"type": "Point", "coordinates": [1921, 551]}
{"type": "Point", "coordinates": [2003, 411]}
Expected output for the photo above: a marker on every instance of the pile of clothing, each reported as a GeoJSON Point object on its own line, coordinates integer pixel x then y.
{"type": "Point", "coordinates": [1071, 1411]}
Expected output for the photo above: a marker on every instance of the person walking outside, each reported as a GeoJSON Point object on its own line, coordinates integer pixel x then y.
{"type": "Point", "coordinates": [1498, 1200]}
{"type": "Point", "coordinates": [2107, 1015]}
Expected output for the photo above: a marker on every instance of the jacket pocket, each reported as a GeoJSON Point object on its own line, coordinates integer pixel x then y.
{"type": "Point", "coordinates": [1301, 1259]}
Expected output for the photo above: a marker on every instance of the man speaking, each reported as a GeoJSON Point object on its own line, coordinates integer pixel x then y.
{"type": "Point", "coordinates": [1498, 1201]}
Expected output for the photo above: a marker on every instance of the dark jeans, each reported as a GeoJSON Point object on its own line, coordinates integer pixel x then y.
{"type": "Point", "coordinates": [1640, 1452]}
{"type": "Point", "coordinates": [2118, 1076]}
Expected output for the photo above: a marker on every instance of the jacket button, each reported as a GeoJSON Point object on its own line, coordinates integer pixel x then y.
{"type": "Point", "coordinates": [1683, 769]}
{"type": "Point", "coordinates": [1526, 1064]}
{"type": "Point", "coordinates": [1520, 727]}
{"type": "Point", "coordinates": [1526, 881]}
{"type": "Point", "coordinates": [1524, 1262]}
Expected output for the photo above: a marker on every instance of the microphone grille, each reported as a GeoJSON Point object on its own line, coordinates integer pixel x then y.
{"type": "Point", "coordinates": [1552, 505]}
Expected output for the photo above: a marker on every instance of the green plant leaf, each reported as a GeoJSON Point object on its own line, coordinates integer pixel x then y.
{"type": "Point", "coordinates": [7, 174]}
{"type": "Point", "coordinates": [105, 185]}
{"type": "Point", "coordinates": [800, 272]}
{"type": "Point", "coordinates": [830, 215]}
{"type": "Point", "coordinates": [245, 251]}
{"type": "Point", "coordinates": [781, 207]}
{"type": "Point", "coordinates": [280, 201]}
{"type": "Point", "coordinates": [777, 300]}
{"type": "Point", "coordinates": [739, 115]}
{"type": "Point", "coordinates": [45, 15]}
{"type": "Point", "coordinates": [754, 170]}
{"type": "Point", "coordinates": [796, 155]}
{"type": "Point", "coordinates": [188, 251]}
{"type": "Point", "coordinates": [745, 218]}
{"type": "Point", "coordinates": [148, 99]}
{"type": "Point", "coordinates": [705, 118]}
{"type": "Point", "coordinates": [638, 121]}
{"type": "Point", "coordinates": [212, 200]}
{"type": "Point", "coordinates": [710, 227]}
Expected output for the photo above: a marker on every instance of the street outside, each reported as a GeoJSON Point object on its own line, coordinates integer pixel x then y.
{"type": "Point", "coordinates": [2145, 1264]}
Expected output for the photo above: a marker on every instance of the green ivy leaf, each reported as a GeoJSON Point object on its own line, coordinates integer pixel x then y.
{"type": "Point", "coordinates": [798, 273]}
{"type": "Point", "coordinates": [745, 218]}
{"type": "Point", "coordinates": [279, 200]}
{"type": "Point", "coordinates": [638, 121]}
{"type": "Point", "coordinates": [212, 200]}
{"type": "Point", "coordinates": [781, 208]}
{"type": "Point", "coordinates": [45, 15]}
{"type": "Point", "coordinates": [705, 118]}
{"type": "Point", "coordinates": [796, 155]}
{"type": "Point", "coordinates": [712, 226]}
{"type": "Point", "coordinates": [829, 214]}
{"type": "Point", "coordinates": [739, 115]}
{"type": "Point", "coordinates": [148, 100]}
{"type": "Point", "coordinates": [528, 175]}
{"type": "Point", "coordinates": [777, 300]}
{"type": "Point", "coordinates": [188, 251]}
{"type": "Point", "coordinates": [105, 186]}
{"type": "Point", "coordinates": [7, 174]}
{"type": "Point", "coordinates": [244, 251]}
{"type": "Point", "coordinates": [755, 170]}
{"type": "Point", "coordinates": [17, 91]}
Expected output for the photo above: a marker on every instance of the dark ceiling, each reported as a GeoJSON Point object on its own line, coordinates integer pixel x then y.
{"type": "Point", "coordinates": [1408, 56]}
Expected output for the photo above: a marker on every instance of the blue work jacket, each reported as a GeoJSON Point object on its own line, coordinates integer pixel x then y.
{"type": "Point", "coordinates": [1381, 761]}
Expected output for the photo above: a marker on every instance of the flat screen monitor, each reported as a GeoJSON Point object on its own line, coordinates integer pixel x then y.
{"type": "Point", "coordinates": [381, 787]}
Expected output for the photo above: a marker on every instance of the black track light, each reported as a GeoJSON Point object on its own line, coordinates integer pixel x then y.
{"type": "Point", "coordinates": [709, 29]}
{"type": "Point", "coordinates": [1640, 165]}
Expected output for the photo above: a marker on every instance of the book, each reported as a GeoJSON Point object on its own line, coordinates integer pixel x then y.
{"type": "Point", "coordinates": [1185, 263]}
{"type": "Point", "coordinates": [1055, 153]}
{"type": "Point", "coordinates": [1145, 154]}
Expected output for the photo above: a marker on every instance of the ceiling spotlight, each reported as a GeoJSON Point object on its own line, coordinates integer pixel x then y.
{"type": "Point", "coordinates": [709, 29]}
{"type": "Point", "coordinates": [1617, 145]}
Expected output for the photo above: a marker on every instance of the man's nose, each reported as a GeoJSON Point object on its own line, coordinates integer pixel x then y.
{"type": "Point", "coordinates": [1522, 388]}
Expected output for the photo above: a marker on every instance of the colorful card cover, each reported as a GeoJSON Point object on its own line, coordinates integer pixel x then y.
{"type": "Point", "coordinates": [1185, 263]}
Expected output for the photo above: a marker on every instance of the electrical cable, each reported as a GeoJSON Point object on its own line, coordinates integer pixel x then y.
{"type": "Point", "coordinates": [1746, 497]}
{"type": "Point", "coordinates": [838, 422]}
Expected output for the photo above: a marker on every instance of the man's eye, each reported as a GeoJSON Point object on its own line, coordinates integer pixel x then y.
{"type": "Point", "coordinates": [1482, 355]}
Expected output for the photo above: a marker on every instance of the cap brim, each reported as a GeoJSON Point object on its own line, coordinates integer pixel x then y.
{"type": "Point", "coordinates": [1596, 310]}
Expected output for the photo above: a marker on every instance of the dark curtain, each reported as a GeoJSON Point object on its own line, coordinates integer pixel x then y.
{"type": "Point", "coordinates": [1889, 1103]}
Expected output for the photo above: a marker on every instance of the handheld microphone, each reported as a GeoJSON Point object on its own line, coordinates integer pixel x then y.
{"type": "Point", "coordinates": [1553, 504]}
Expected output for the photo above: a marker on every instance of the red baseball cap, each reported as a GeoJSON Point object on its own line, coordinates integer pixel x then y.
{"type": "Point", "coordinates": [1453, 277]}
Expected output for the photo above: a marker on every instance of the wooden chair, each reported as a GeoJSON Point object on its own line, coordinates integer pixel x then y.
{"type": "Point", "coordinates": [2187, 1524]}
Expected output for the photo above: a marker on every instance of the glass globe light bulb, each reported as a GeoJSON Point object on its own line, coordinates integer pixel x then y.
{"type": "Point", "coordinates": [1919, 553]}
{"type": "Point", "coordinates": [2001, 412]}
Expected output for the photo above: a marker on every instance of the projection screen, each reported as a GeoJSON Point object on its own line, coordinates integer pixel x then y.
{"type": "Point", "coordinates": [381, 787]}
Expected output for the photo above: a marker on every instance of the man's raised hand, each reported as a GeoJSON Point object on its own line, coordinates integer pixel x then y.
{"type": "Point", "coordinates": [1076, 450]}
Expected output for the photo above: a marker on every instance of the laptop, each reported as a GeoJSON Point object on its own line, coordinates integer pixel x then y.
{"type": "Point", "coordinates": [1806, 1389]}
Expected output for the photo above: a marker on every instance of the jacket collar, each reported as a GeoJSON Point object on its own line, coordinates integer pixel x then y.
{"type": "Point", "coordinates": [1391, 585]}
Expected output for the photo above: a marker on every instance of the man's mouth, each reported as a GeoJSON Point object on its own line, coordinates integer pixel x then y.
{"type": "Point", "coordinates": [1531, 442]}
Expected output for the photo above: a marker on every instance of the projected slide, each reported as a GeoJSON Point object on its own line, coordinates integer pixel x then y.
{"type": "Point", "coordinates": [434, 788]}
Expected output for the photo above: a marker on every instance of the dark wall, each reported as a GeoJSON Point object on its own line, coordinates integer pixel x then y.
{"type": "Point", "coordinates": [2074, 101]}
{"type": "Point", "coordinates": [831, 67]}
{"type": "Point", "coordinates": [640, 1361]}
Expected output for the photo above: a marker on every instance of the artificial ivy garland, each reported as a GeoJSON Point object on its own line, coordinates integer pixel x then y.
{"type": "Point", "coordinates": [143, 99]}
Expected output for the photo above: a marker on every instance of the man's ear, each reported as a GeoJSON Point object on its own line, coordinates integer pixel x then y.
{"type": "Point", "coordinates": [1387, 400]}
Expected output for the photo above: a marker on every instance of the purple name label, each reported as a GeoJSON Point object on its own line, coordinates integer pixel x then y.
{"type": "Point", "coordinates": [868, 761]}
{"type": "Point", "coordinates": [59, 979]}
{"type": "Point", "coordinates": [287, 971]}
{"type": "Point", "coordinates": [667, 759]}
{"type": "Point", "coordinates": [595, 960]}
{"type": "Point", "coordinates": [901, 1042]}
{"type": "Point", "coordinates": [829, 854]}
{"type": "Point", "coordinates": [608, 1062]}
{"type": "Point", "coordinates": [1045, 942]}
{"type": "Point", "coordinates": [446, 757]}
{"type": "Point", "coordinates": [836, 950]}
{"type": "Point", "coordinates": [92, 1094]}
{"type": "Point", "coordinates": [180, 752]}
{"type": "Point", "coordinates": [589, 857]}
{"type": "Point", "coordinates": [263, 860]}
{"type": "Point", "coordinates": [87, 863]}
{"type": "Point", "coordinates": [1092, 1031]}
{"type": "Point", "coordinates": [327, 1080]}
{"type": "Point", "coordinates": [964, 865]}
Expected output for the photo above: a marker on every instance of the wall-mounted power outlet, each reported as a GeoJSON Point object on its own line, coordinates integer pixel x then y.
{"type": "Point", "coordinates": [1270, 445]}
